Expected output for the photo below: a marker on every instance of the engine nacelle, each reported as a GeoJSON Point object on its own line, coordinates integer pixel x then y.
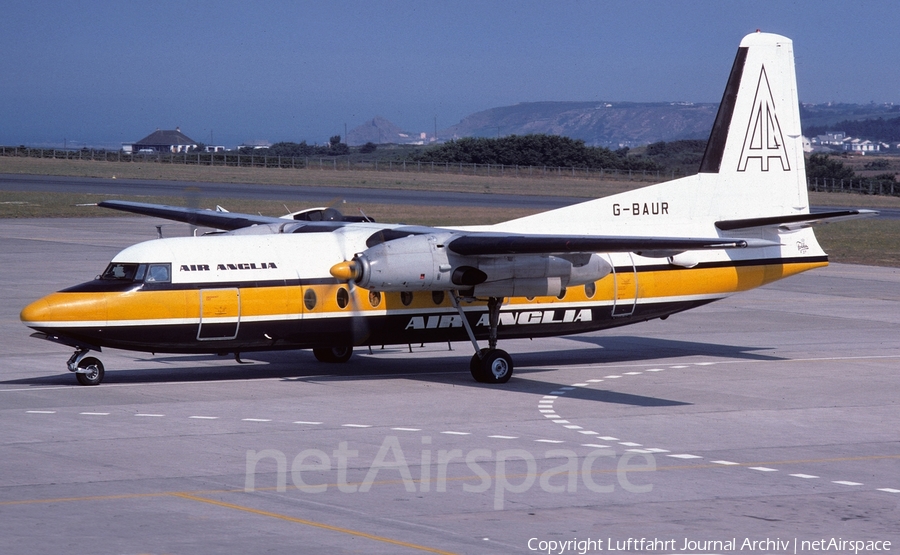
{"type": "Point", "coordinates": [417, 262]}
{"type": "Point", "coordinates": [537, 275]}
{"type": "Point", "coordinates": [423, 262]}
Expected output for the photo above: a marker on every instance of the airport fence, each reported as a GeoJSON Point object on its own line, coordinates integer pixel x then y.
{"type": "Point", "coordinates": [349, 163]}
{"type": "Point", "coordinates": [858, 186]}
{"type": "Point", "coordinates": [337, 163]}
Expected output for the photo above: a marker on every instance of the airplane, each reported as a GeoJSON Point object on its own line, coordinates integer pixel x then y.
{"type": "Point", "coordinates": [318, 280]}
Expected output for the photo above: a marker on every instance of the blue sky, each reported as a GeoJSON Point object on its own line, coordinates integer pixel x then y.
{"type": "Point", "coordinates": [101, 73]}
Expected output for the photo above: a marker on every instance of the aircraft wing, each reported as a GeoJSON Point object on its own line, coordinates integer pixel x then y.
{"type": "Point", "coordinates": [476, 244]}
{"type": "Point", "coordinates": [193, 216]}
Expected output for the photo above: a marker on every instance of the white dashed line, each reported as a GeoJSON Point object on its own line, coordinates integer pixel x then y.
{"type": "Point", "coordinates": [545, 406]}
{"type": "Point", "coordinates": [306, 422]}
{"type": "Point", "coordinates": [407, 429]}
{"type": "Point", "coordinates": [204, 417]}
{"type": "Point", "coordinates": [449, 433]}
{"type": "Point", "coordinates": [504, 437]}
{"type": "Point", "coordinates": [41, 411]}
{"type": "Point", "coordinates": [255, 420]}
{"type": "Point", "coordinates": [150, 415]}
{"type": "Point", "coordinates": [356, 425]}
{"type": "Point", "coordinates": [94, 413]}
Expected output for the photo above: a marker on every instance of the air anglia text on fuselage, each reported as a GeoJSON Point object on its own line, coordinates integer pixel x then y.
{"type": "Point", "coordinates": [523, 317]}
{"type": "Point", "coordinates": [239, 266]}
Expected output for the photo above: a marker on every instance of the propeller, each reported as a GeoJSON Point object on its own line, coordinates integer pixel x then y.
{"type": "Point", "coordinates": [347, 273]}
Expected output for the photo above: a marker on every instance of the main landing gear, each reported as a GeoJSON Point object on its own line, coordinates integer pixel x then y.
{"type": "Point", "coordinates": [491, 365]}
{"type": "Point", "coordinates": [88, 370]}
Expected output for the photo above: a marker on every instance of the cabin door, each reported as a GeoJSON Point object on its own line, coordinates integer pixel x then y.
{"type": "Point", "coordinates": [625, 282]}
{"type": "Point", "coordinates": [220, 314]}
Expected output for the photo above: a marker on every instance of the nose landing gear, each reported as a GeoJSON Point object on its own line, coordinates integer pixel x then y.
{"type": "Point", "coordinates": [88, 370]}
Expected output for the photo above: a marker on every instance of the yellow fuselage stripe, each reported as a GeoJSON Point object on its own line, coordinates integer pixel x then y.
{"type": "Point", "coordinates": [287, 302]}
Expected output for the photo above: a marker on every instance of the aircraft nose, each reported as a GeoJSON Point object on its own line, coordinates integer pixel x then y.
{"type": "Point", "coordinates": [60, 310]}
{"type": "Point", "coordinates": [36, 313]}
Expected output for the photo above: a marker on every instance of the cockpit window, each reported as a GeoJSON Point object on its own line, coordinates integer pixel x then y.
{"type": "Point", "coordinates": [120, 272]}
{"type": "Point", "coordinates": [158, 273]}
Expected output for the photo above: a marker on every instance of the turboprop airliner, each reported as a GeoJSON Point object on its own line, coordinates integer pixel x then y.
{"type": "Point", "coordinates": [323, 282]}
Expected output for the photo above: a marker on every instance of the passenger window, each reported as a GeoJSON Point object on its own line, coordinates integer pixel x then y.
{"type": "Point", "coordinates": [157, 273]}
{"type": "Point", "coordinates": [309, 299]}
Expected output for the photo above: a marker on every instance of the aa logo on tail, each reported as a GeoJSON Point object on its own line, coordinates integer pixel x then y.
{"type": "Point", "coordinates": [763, 140]}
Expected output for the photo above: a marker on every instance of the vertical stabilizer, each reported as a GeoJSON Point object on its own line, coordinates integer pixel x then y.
{"type": "Point", "coordinates": [756, 144]}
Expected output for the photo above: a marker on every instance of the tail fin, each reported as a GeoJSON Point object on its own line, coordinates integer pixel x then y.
{"type": "Point", "coordinates": [756, 145]}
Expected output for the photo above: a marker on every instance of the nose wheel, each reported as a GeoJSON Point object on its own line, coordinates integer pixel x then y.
{"type": "Point", "coordinates": [88, 370]}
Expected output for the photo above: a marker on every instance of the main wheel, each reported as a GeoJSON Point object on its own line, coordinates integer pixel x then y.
{"type": "Point", "coordinates": [93, 373]}
{"type": "Point", "coordinates": [491, 366]}
{"type": "Point", "coordinates": [333, 354]}
{"type": "Point", "coordinates": [476, 368]}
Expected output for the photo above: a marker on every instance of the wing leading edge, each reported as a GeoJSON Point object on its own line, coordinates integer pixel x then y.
{"type": "Point", "coordinates": [482, 244]}
{"type": "Point", "coordinates": [194, 216]}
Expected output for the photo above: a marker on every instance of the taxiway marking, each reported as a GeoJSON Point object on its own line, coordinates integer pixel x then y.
{"type": "Point", "coordinates": [546, 407]}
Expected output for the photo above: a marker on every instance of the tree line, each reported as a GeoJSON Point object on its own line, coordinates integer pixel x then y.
{"type": "Point", "coordinates": [298, 150]}
{"type": "Point", "coordinates": [683, 156]}
{"type": "Point", "coordinates": [533, 150]}
{"type": "Point", "coordinates": [823, 166]}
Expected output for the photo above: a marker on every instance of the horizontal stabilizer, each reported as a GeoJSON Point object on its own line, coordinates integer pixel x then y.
{"type": "Point", "coordinates": [791, 222]}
